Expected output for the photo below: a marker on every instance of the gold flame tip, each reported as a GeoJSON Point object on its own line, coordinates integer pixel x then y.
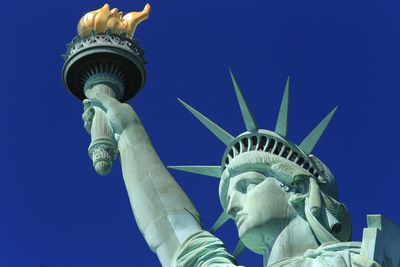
{"type": "Point", "coordinates": [103, 19]}
{"type": "Point", "coordinates": [147, 8]}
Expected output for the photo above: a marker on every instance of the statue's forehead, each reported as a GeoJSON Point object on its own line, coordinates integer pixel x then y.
{"type": "Point", "coordinates": [283, 171]}
{"type": "Point", "coordinates": [248, 175]}
{"type": "Point", "coordinates": [268, 165]}
{"type": "Point", "coordinates": [278, 173]}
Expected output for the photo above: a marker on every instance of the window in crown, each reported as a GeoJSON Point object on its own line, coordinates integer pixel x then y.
{"type": "Point", "coordinates": [278, 148]}
{"type": "Point", "coordinates": [293, 156]}
{"type": "Point", "coordinates": [254, 141]}
{"type": "Point", "coordinates": [286, 152]}
{"type": "Point", "coordinates": [245, 143]}
{"type": "Point", "coordinates": [300, 161]}
{"type": "Point", "coordinates": [311, 170]}
{"type": "Point", "coordinates": [263, 142]}
{"type": "Point", "coordinates": [306, 165]}
{"type": "Point", "coordinates": [271, 145]}
{"type": "Point", "coordinates": [237, 147]}
{"type": "Point", "coordinates": [231, 153]}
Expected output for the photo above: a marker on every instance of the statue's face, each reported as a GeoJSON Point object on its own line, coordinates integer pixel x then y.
{"type": "Point", "coordinates": [260, 206]}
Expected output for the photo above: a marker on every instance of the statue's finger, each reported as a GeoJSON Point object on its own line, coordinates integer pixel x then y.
{"type": "Point", "coordinates": [104, 100]}
{"type": "Point", "coordinates": [88, 114]}
{"type": "Point", "coordinates": [86, 104]}
{"type": "Point", "coordinates": [88, 126]}
{"type": "Point", "coordinates": [84, 116]}
{"type": "Point", "coordinates": [90, 111]}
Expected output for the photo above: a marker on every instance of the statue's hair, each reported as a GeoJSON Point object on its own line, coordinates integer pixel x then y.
{"type": "Point", "coordinates": [329, 187]}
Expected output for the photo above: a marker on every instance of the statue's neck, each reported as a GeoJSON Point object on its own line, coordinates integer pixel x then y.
{"type": "Point", "coordinates": [293, 241]}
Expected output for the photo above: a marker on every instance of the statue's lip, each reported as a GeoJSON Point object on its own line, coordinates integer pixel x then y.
{"type": "Point", "coordinates": [240, 218]}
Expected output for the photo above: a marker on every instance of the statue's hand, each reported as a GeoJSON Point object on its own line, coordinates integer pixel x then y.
{"type": "Point", "coordinates": [119, 115]}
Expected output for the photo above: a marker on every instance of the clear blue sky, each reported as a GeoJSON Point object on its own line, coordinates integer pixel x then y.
{"type": "Point", "coordinates": [56, 212]}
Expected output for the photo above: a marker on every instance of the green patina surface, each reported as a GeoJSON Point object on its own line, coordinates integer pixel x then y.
{"type": "Point", "coordinates": [282, 198]}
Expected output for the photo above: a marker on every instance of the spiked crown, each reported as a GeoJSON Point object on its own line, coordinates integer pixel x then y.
{"type": "Point", "coordinates": [255, 139]}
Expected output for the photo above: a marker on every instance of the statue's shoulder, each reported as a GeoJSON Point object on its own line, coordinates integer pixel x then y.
{"type": "Point", "coordinates": [380, 246]}
{"type": "Point", "coordinates": [203, 249]}
{"type": "Point", "coordinates": [381, 241]}
{"type": "Point", "coordinates": [338, 254]}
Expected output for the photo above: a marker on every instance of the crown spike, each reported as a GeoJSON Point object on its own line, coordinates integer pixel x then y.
{"type": "Point", "coordinates": [239, 249]}
{"type": "Point", "coordinates": [312, 138]}
{"type": "Point", "coordinates": [222, 219]}
{"type": "Point", "coordinates": [213, 171]}
{"type": "Point", "coordinates": [249, 120]}
{"type": "Point", "coordinates": [281, 127]}
{"type": "Point", "coordinates": [225, 137]}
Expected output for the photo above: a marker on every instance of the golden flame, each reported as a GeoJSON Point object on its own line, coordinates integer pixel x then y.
{"type": "Point", "coordinates": [102, 19]}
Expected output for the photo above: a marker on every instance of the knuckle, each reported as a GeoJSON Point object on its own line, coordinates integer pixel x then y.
{"type": "Point", "coordinates": [127, 106]}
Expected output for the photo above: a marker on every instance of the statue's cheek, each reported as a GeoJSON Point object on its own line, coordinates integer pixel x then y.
{"type": "Point", "coordinates": [266, 202]}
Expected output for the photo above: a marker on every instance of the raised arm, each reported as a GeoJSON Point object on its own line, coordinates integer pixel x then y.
{"type": "Point", "coordinates": [165, 215]}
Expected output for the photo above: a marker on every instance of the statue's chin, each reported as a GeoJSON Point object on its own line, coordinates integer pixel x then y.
{"type": "Point", "coordinates": [254, 238]}
{"type": "Point", "coordinates": [260, 238]}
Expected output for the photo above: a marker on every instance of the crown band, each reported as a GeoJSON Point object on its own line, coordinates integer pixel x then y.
{"type": "Point", "coordinates": [269, 142]}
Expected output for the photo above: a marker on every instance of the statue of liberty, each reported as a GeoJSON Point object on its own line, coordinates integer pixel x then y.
{"type": "Point", "coordinates": [283, 199]}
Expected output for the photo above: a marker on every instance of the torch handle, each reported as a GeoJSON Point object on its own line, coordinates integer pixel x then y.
{"type": "Point", "coordinates": [103, 148]}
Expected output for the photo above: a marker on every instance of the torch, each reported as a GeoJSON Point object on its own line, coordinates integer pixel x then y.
{"type": "Point", "coordinates": [104, 58]}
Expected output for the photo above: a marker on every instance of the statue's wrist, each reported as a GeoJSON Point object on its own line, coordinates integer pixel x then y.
{"type": "Point", "coordinates": [131, 136]}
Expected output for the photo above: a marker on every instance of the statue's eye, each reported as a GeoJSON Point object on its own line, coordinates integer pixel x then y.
{"type": "Point", "coordinates": [300, 187]}
{"type": "Point", "coordinates": [250, 186]}
{"type": "Point", "coordinates": [246, 185]}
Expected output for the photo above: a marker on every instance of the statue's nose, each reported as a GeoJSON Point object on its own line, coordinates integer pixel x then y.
{"type": "Point", "coordinates": [234, 204]}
